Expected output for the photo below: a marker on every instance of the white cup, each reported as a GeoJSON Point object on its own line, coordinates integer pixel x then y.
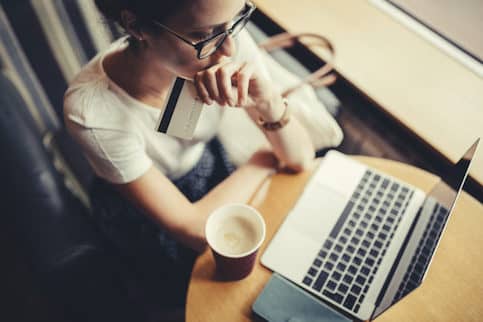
{"type": "Point", "coordinates": [234, 233]}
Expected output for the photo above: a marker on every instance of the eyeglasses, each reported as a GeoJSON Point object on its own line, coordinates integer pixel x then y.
{"type": "Point", "coordinates": [208, 46]}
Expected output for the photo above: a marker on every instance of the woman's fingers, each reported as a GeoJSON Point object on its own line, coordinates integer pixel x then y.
{"type": "Point", "coordinates": [209, 79]}
{"type": "Point", "coordinates": [224, 80]}
{"type": "Point", "coordinates": [215, 83]}
{"type": "Point", "coordinates": [201, 89]}
{"type": "Point", "coordinates": [243, 77]}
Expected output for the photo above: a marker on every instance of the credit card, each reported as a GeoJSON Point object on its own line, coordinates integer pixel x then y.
{"type": "Point", "coordinates": [182, 110]}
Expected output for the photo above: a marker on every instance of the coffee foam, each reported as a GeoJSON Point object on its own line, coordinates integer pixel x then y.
{"type": "Point", "coordinates": [235, 235]}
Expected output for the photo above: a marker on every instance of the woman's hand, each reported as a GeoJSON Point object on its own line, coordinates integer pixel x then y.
{"type": "Point", "coordinates": [236, 84]}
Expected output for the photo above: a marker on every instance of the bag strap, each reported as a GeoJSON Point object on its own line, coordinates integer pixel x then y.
{"type": "Point", "coordinates": [323, 75]}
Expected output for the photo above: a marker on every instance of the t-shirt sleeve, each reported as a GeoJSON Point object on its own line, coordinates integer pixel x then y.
{"type": "Point", "coordinates": [115, 155]}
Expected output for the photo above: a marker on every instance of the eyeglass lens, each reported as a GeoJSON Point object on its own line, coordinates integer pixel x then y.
{"type": "Point", "coordinates": [215, 43]}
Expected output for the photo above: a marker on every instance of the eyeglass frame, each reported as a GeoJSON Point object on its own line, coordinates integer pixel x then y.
{"type": "Point", "coordinates": [201, 44]}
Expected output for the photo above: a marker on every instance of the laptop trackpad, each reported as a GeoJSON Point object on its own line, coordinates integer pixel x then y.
{"type": "Point", "coordinates": [317, 212]}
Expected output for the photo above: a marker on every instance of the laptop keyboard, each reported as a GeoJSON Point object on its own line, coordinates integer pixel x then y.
{"type": "Point", "coordinates": [345, 266]}
{"type": "Point", "coordinates": [420, 260]}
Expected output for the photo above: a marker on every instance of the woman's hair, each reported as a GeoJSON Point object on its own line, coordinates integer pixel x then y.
{"type": "Point", "coordinates": [145, 11]}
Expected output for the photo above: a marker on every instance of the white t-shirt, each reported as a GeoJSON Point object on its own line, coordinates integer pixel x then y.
{"type": "Point", "coordinates": [117, 132]}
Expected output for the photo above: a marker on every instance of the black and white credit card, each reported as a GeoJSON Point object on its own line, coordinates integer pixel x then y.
{"type": "Point", "coordinates": [182, 110]}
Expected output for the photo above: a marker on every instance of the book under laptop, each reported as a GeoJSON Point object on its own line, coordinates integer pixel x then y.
{"type": "Point", "coordinates": [359, 239]}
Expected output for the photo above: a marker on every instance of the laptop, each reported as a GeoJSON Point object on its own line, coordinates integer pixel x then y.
{"type": "Point", "coordinates": [359, 239]}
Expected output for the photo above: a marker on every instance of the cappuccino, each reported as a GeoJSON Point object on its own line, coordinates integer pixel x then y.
{"type": "Point", "coordinates": [235, 235]}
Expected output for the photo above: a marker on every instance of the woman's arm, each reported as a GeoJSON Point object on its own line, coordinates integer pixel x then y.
{"type": "Point", "coordinates": [160, 199]}
{"type": "Point", "coordinates": [291, 143]}
{"type": "Point", "coordinates": [240, 84]}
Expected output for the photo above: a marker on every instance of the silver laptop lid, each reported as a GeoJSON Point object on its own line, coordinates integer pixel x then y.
{"type": "Point", "coordinates": [439, 204]}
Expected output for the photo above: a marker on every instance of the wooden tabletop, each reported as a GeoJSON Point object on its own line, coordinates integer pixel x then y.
{"type": "Point", "coordinates": [452, 290]}
{"type": "Point", "coordinates": [433, 95]}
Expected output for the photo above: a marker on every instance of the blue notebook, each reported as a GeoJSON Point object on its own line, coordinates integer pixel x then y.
{"type": "Point", "coordinates": [282, 301]}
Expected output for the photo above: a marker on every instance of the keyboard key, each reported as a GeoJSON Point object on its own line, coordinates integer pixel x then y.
{"type": "Point", "coordinates": [323, 254]}
{"type": "Point", "coordinates": [382, 236]}
{"type": "Point", "coordinates": [374, 227]}
{"type": "Point", "coordinates": [343, 239]}
{"type": "Point", "coordinates": [348, 279]}
{"type": "Point", "coordinates": [352, 269]}
{"type": "Point", "coordinates": [320, 280]}
{"type": "Point", "coordinates": [307, 281]}
{"type": "Point", "coordinates": [355, 240]}
{"type": "Point", "coordinates": [360, 279]}
{"type": "Point", "coordinates": [377, 244]}
{"type": "Point", "coordinates": [333, 296]}
{"type": "Point", "coordinates": [336, 276]}
{"type": "Point", "coordinates": [356, 308]}
{"type": "Point", "coordinates": [351, 249]}
{"type": "Point", "coordinates": [370, 235]}
{"type": "Point", "coordinates": [363, 224]}
{"type": "Point", "coordinates": [341, 266]}
{"type": "Point", "coordinates": [347, 231]}
{"type": "Point", "coordinates": [361, 252]}
{"type": "Point", "coordinates": [328, 266]}
{"type": "Point", "coordinates": [357, 260]}
{"type": "Point", "coordinates": [359, 232]}
{"type": "Point", "coordinates": [352, 223]}
{"type": "Point", "coordinates": [327, 244]}
{"type": "Point", "coordinates": [356, 289]}
{"type": "Point", "coordinates": [331, 285]}
{"type": "Point", "coordinates": [312, 271]}
{"type": "Point", "coordinates": [346, 258]}
{"type": "Point", "coordinates": [374, 253]}
{"type": "Point", "coordinates": [369, 261]}
{"type": "Point", "coordinates": [366, 243]}
{"type": "Point", "coordinates": [317, 262]}
{"type": "Point", "coordinates": [385, 183]}
{"type": "Point", "coordinates": [365, 270]}
{"type": "Point", "coordinates": [338, 248]}
{"type": "Point", "coordinates": [343, 288]}
{"type": "Point", "coordinates": [378, 219]}
{"type": "Point", "coordinates": [333, 257]}
{"type": "Point", "coordinates": [349, 301]}
{"type": "Point", "coordinates": [394, 186]}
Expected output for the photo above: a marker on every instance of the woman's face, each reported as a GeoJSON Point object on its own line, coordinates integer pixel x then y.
{"type": "Point", "coordinates": [194, 22]}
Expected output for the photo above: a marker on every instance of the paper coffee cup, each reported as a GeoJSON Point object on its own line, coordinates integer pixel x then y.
{"type": "Point", "coordinates": [234, 233]}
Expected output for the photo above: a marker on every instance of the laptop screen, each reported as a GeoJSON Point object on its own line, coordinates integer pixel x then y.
{"type": "Point", "coordinates": [446, 191]}
{"type": "Point", "coordinates": [432, 218]}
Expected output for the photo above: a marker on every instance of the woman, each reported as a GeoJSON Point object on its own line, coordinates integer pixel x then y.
{"type": "Point", "coordinates": [154, 191]}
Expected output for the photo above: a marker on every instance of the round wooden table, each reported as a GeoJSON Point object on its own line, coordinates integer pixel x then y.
{"type": "Point", "coordinates": [452, 291]}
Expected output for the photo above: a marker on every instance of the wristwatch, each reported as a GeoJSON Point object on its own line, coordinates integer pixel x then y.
{"type": "Point", "coordinates": [273, 126]}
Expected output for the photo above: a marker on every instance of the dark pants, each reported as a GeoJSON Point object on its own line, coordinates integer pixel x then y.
{"type": "Point", "coordinates": [156, 266]}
